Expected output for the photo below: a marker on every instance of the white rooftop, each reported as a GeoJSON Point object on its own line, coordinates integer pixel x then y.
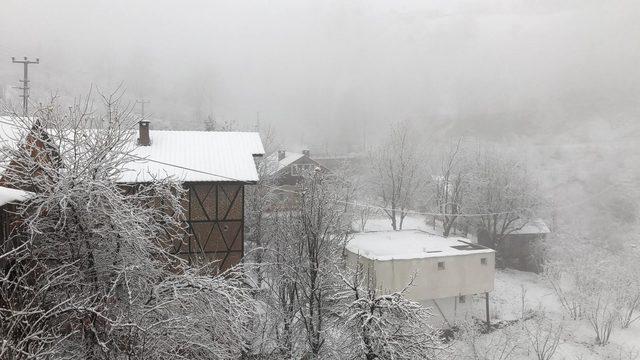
{"type": "Point", "coordinates": [274, 165]}
{"type": "Point", "coordinates": [184, 155]}
{"type": "Point", "coordinates": [228, 155]}
{"type": "Point", "coordinates": [410, 244]}
{"type": "Point", "coordinates": [535, 226]}
{"type": "Point", "coordinates": [8, 195]}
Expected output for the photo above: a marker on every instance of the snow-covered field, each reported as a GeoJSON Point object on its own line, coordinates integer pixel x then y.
{"type": "Point", "coordinates": [410, 223]}
{"type": "Point", "coordinates": [577, 341]}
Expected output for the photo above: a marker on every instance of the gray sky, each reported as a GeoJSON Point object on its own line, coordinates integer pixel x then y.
{"type": "Point", "coordinates": [329, 71]}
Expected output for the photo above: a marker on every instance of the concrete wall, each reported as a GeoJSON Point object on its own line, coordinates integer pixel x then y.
{"type": "Point", "coordinates": [453, 310]}
{"type": "Point", "coordinates": [462, 275]}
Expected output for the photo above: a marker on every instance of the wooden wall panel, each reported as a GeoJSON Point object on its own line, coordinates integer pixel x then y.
{"type": "Point", "coordinates": [216, 223]}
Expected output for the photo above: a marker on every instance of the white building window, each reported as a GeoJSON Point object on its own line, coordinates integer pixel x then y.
{"type": "Point", "coordinates": [483, 261]}
{"type": "Point", "coordinates": [440, 265]}
{"type": "Point", "coordinates": [462, 299]}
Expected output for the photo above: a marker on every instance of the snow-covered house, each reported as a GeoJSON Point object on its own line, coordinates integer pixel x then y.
{"type": "Point", "coordinates": [214, 168]}
{"type": "Point", "coordinates": [288, 167]}
{"type": "Point", "coordinates": [448, 271]}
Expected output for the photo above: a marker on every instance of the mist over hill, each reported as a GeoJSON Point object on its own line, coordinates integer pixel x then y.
{"type": "Point", "coordinates": [334, 74]}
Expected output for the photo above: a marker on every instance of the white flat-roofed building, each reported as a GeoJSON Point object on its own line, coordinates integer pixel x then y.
{"type": "Point", "coordinates": [448, 271]}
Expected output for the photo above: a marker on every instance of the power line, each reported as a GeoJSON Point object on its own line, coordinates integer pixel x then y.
{"type": "Point", "coordinates": [25, 81]}
{"type": "Point", "coordinates": [142, 101]}
{"type": "Point", "coordinates": [415, 212]}
{"type": "Point", "coordinates": [408, 211]}
{"type": "Point", "coordinates": [412, 212]}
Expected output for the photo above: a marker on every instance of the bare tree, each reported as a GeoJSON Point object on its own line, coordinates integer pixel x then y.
{"type": "Point", "coordinates": [504, 195]}
{"type": "Point", "coordinates": [501, 344]}
{"type": "Point", "coordinates": [586, 280]}
{"type": "Point", "coordinates": [601, 312]}
{"type": "Point", "coordinates": [304, 251]}
{"type": "Point", "coordinates": [87, 274]}
{"type": "Point", "coordinates": [563, 278]}
{"type": "Point", "coordinates": [629, 285]}
{"type": "Point", "coordinates": [384, 326]}
{"type": "Point", "coordinates": [398, 174]}
{"type": "Point", "coordinates": [211, 123]}
{"type": "Point", "coordinates": [451, 186]}
{"type": "Point", "coordinates": [260, 200]}
{"type": "Point", "coordinates": [543, 336]}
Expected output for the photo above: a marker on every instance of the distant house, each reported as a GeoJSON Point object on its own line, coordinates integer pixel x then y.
{"type": "Point", "coordinates": [448, 271]}
{"type": "Point", "coordinates": [351, 163]}
{"type": "Point", "coordinates": [520, 247]}
{"type": "Point", "coordinates": [287, 168]}
{"type": "Point", "coordinates": [214, 167]}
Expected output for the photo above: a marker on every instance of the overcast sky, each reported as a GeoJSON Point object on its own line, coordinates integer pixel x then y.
{"type": "Point", "coordinates": [331, 71]}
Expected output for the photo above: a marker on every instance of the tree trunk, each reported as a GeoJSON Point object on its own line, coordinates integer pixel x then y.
{"type": "Point", "coordinates": [393, 219]}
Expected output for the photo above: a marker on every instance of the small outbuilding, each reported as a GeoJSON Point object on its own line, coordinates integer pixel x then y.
{"type": "Point", "coordinates": [520, 248]}
{"type": "Point", "coordinates": [448, 271]}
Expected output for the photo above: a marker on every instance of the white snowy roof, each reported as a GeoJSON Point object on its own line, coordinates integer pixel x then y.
{"type": "Point", "coordinates": [535, 226]}
{"type": "Point", "coordinates": [196, 156]}
{"type": "Point", "coordinates": [184, 155]}
{"type": "Point", "coordinates": [410, 244]}
{"type": "Point", "coordinates": [9, 134]}
{"type": "Point", "coordinates": [275, 165]}
{"type": "Point", "coordinates": [8, 195]}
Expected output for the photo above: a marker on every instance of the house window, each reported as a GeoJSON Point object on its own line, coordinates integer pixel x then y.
{"type": "Point", "coordinates": [440, 265]}
{"type": "Point", "coordinates": [462, 299]}
{"type": "Point", "coordinates": [483, 261]}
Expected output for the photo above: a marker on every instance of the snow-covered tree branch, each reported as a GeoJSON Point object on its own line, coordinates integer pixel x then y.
{"type": "Point", "coordinates": [88, 272]}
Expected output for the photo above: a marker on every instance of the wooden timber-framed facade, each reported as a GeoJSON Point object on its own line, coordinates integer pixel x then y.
{"type": "Point", "coordinates": [215, 223]}
{"type": "Point", "coordinates": [213, 168]}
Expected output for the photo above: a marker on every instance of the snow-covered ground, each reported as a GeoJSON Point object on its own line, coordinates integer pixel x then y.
{"type": "Point", "coordinates": [410, 223]}
{"type": "Point", "coordinates": [577, 341]}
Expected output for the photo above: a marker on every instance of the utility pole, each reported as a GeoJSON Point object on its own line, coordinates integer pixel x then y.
{"type": "Point", "coordinates": [364, 136]}
{"type": "Point", "coordinates": [142, 102]}
{"type": "Point", "coordinates": [25, 81]}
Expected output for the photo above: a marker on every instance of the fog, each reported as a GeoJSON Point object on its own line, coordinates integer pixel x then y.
{"type": "Point", "coordinates": [336, 73]}
{"type": "Point", "coordinates": [452, 179]}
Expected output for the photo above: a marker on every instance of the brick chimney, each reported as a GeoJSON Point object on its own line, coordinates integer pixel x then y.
{"type": "Point", "coordinates": [281, 154]}
{"type": "Point", "coordinates": [143, 133]}
{"type": "Point", "coordinates": [306, 153]}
